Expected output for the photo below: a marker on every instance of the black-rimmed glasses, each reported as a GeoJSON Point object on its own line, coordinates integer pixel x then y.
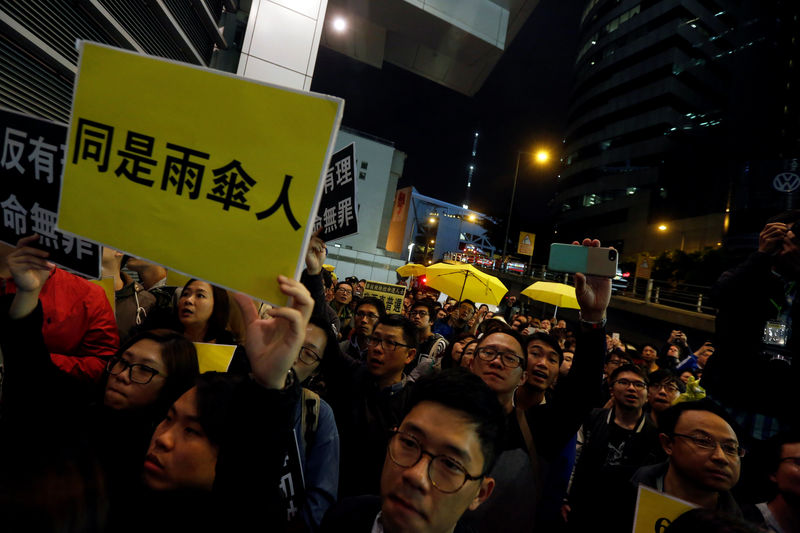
{"type": "Point", "coordinates": [639, 385]}
{"type": "Point", "coordinates": [417, 313]}
{"type": "Point", "coordinates": [363, 314]}
{"type": "Point", "coordinates": [707, 443]}
{"type": "Point", "coordinates": [138, 372]}
{"type": "Point", "coordinates": [668, 387]}
{"type": "Point", "coordinates": [387, 344]}
{"type": "Point", "coordinates": [446, 474]}
{"type": "Point", "coordinates": [309, 356]}
{"type": "Point", "coordinates": [509, 359]}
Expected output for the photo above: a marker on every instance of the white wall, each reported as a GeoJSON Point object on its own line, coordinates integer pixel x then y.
{"type": "Point", "coordinates": [281, 41]}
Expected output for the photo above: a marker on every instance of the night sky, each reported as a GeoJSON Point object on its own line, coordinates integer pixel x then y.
{"type": "Point", "coordinates": [521, 106]}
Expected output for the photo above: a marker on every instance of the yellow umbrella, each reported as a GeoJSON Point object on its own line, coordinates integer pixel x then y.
{"type": "Point", "coordinates": [552, 293]}
{"type": "Point", "coordinates": [466, 282]}
{"type": "Point", "coordinates": [411, 269]}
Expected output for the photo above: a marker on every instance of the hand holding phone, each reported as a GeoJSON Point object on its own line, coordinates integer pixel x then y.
{"type": "Point", "coordinates": [592, 261]}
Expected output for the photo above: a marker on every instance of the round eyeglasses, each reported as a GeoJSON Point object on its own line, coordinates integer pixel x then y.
{"type": "Point", "coordinates": [446, 474]}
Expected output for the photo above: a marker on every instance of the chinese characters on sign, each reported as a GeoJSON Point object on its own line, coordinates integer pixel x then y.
{"type": "Point", "coordinates": [30, 178]}
{"type": "Point", "coordinates": [338, 210]}
{"type": "Point", "coordinates": [391, 295]}
{"type": "Point", "coordinates": [182, 173]}
{"type": "Point", "coordinates": [151, 169]}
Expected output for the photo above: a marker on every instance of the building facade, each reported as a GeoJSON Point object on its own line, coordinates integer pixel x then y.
{"type": "Point", "coordinates": [673, 108]}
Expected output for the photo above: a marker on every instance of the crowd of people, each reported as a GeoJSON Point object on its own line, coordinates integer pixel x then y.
{"type": "Point", "coordinates": [337, 415]}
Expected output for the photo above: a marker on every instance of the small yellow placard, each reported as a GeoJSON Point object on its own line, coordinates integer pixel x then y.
{"type": "Point", "coordinates": [214, 357]}
{"type": "Point", "coordinates": [200, 171]}
{"type": "Point", "coordinates": [526, 241]}
{"type": "Point", "coordinates": [656, 510]}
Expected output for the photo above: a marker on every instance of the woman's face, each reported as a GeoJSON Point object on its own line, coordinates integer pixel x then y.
{"type": "Point", "coordinates": [311, 353]}
{"type": "Point", "coordinates": [196, 304]}
{"type": "Point", "coordinates": [685, 376]}
{"type": "Point", "coordinates": [180, 455]}
{"type": "Point", "coordinates": [124, 388]}
{"type": "Point", "coordinates": [469, 354]}
{"type": "Point", "coordinates": [458, 348]}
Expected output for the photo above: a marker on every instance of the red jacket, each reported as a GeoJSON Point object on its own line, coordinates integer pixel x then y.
{"type": "Point", "coordinates": [79, 326]}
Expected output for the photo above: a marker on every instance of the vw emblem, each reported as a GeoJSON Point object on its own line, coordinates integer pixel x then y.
{"type": "Point", "coordinates": [786, 182]}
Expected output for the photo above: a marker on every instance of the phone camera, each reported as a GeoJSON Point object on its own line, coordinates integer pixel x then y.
{"type": "Point", "coordinates": [612, 255]}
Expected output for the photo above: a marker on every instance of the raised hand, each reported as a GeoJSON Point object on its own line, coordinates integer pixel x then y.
{"type": "Point", "coordinates": [770, 240]}
{"type": "Point", "coordinates": [29, 266]}
{"type": "Point", "coordinates": [592, 292]}
{"type": "Point", "coordinates": [274, 343]}
{"type": "Point", "coordinates": [316, 253]}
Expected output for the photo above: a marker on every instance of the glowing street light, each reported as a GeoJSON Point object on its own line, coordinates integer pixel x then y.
{"type": "Point", "coordinates": [339, 24]}
{"type": "Point", "coordinates": [471, 218]}
{"type": "Point", "coordinates": [662, 227]}
{"type": "Point", "coordinates": [542, 156]}
{"type": "Point", "coordinates": [432, 220]}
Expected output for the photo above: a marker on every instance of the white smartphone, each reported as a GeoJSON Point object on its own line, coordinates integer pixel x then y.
{"type": "Point", "coordinates": [589, 260]}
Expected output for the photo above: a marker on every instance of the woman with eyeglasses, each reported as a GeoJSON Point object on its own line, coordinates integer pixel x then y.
{"type": "Point", "coordinates": [50, 416]}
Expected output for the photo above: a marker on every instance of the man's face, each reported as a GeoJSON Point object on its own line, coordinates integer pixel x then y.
{"type": "Point", "coordinates": [566, 364]}
{"type": "Point", "coordinates": [387, 363]}
{"type": "Point", "coordinates": [359, 288]}
{"type": "Point", "coordinates": [543, 365]}
{"type": "Point", "coordinates": [495, 373]}
{"type": "Point", "coordinates": [673, 351]}
{"type": "Point", "coordinates": [344, 293]}
{"type": "Point", "coordinates": [409, 502]}
{"type": "Point", "coordinates": [180, 455]}
{"type": "Point", "coordinates": [440, 314]}
{"type": "Point", "coordinates": [629, 396]}
{"type": "Point", "coordinates": [709, 470]}
{"type": "Point", "coordinates": [519, 324]}
{"type": "Point", "coordinates": [787, 476]}
{"type": "Point", "coordinates": [562, 324]}
{"type": "Point", "coordinates": [614, 361]}
{"type": "Point", "coordinates": [365, 318]}
{"type": "Point", "coordinates": [421, 317]}
{"type": "Point", "coordinates": [661, 395]}
{"type": "Point", "coordinates": [545, 324]}
{"type": "Point", "coordinates": [649, 354]}
{"type": "Point", "coordinates": [465, 311]}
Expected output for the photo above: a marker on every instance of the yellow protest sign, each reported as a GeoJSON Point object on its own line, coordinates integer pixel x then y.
{"type": "Point", "coordinates": [108, 287]}
{"type": "Point", "coordinates": [391, 295]}
{"type": "Point", "coordinates": [200, 171]}
{"type": "Point", "coordinates": [176, 279]}
{"type": "Point", "coordinates": [656, 510]}
{"type": "Point", "coordinates": [526, 240]}
{"type": "Point", "coordinates": [214, 357]}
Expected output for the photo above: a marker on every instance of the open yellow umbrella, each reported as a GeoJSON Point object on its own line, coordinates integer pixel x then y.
{"type": "Point", "coordinates": [411, 269]}
{"type": "Point", "coordinates": [464, 281]}
{"type": "Point", "coordinates": [552, 293]}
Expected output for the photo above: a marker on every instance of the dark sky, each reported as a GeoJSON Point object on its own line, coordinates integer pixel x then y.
{"type": "Point", "coordinates": [521, 106]}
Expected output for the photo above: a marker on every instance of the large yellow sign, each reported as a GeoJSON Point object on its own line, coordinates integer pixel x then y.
{"type": "Point", "coordinates": [656, 510]}
{"type": "Point", "coordinates": [202, 172]}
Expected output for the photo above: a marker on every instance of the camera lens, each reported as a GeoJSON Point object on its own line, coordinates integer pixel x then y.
{"type": "Point", "coordinates": [612, 255]}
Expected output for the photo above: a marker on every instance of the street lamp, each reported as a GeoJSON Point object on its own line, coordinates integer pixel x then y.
{"type": "Point", "coordinates": [542, 156]}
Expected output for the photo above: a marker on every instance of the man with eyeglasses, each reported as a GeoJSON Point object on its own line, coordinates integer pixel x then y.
{"type": "Point", "coordinates": [367, 398]}
{"type": "Point", "coordinates": [704, 459]}
{"type": "Point", "coordinates": [664, 388]}
{"type": "Point", "coordinates": [342, 297]}
{"type": "Point", "coordinates": [457, 322]}
{"type": "Point", "coordinates": [431, 345]}
{"type": "Point", "coordinates": [367, 314]}
{"type": "Point", "coordinates": [781, 514]}
{"type": "Point", "coordinates": [612, 444]}
{"type": "Point", "coordinates": [540, 434]}
{"type": "Point", "coordinates": [437, 461]}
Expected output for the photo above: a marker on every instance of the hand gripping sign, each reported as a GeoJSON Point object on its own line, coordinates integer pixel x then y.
{"type": "Point", "coordinates": [200, 171]}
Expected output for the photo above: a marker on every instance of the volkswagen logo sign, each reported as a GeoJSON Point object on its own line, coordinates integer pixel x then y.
{"type": "Point", "coordinates": [786, 182]}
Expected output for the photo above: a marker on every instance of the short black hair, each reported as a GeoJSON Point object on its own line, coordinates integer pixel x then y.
{"type": "Point", "coordinates": [428, 305]}
{"type": "Point", "coordinates": [705, 520]}
{"type": "Point", "coordinates": [375, 302]}
{"type": "Point", "coordinates": [775, 447]}
{"type": "Point", "coordinates": [327, 278]}
{"type": "Point", "coordinates": [465, 301]}
{"type": "Point", "coordinates": [215, 396]}
{"type": "Point", "coordinates": [461, 390]}
{"type": "Point", "coordinates": [787, 217]}
{"type": "Point", "coordinates": [668, 419]}
{"type": "Point", "coordinates": [549, 340]}
{"type": "Point", "coordinates": [517, 337]}
{"type": "Point", "coordinates": [619, 354]}
{"type": "Point", "coordinates": [628, 368]}
{"type": "Point", "coordinates": [399, 321]}
{"type": "Point", "coordinates": [345, 282]}
{"type": "Point", "coordinates": [664, 374]}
